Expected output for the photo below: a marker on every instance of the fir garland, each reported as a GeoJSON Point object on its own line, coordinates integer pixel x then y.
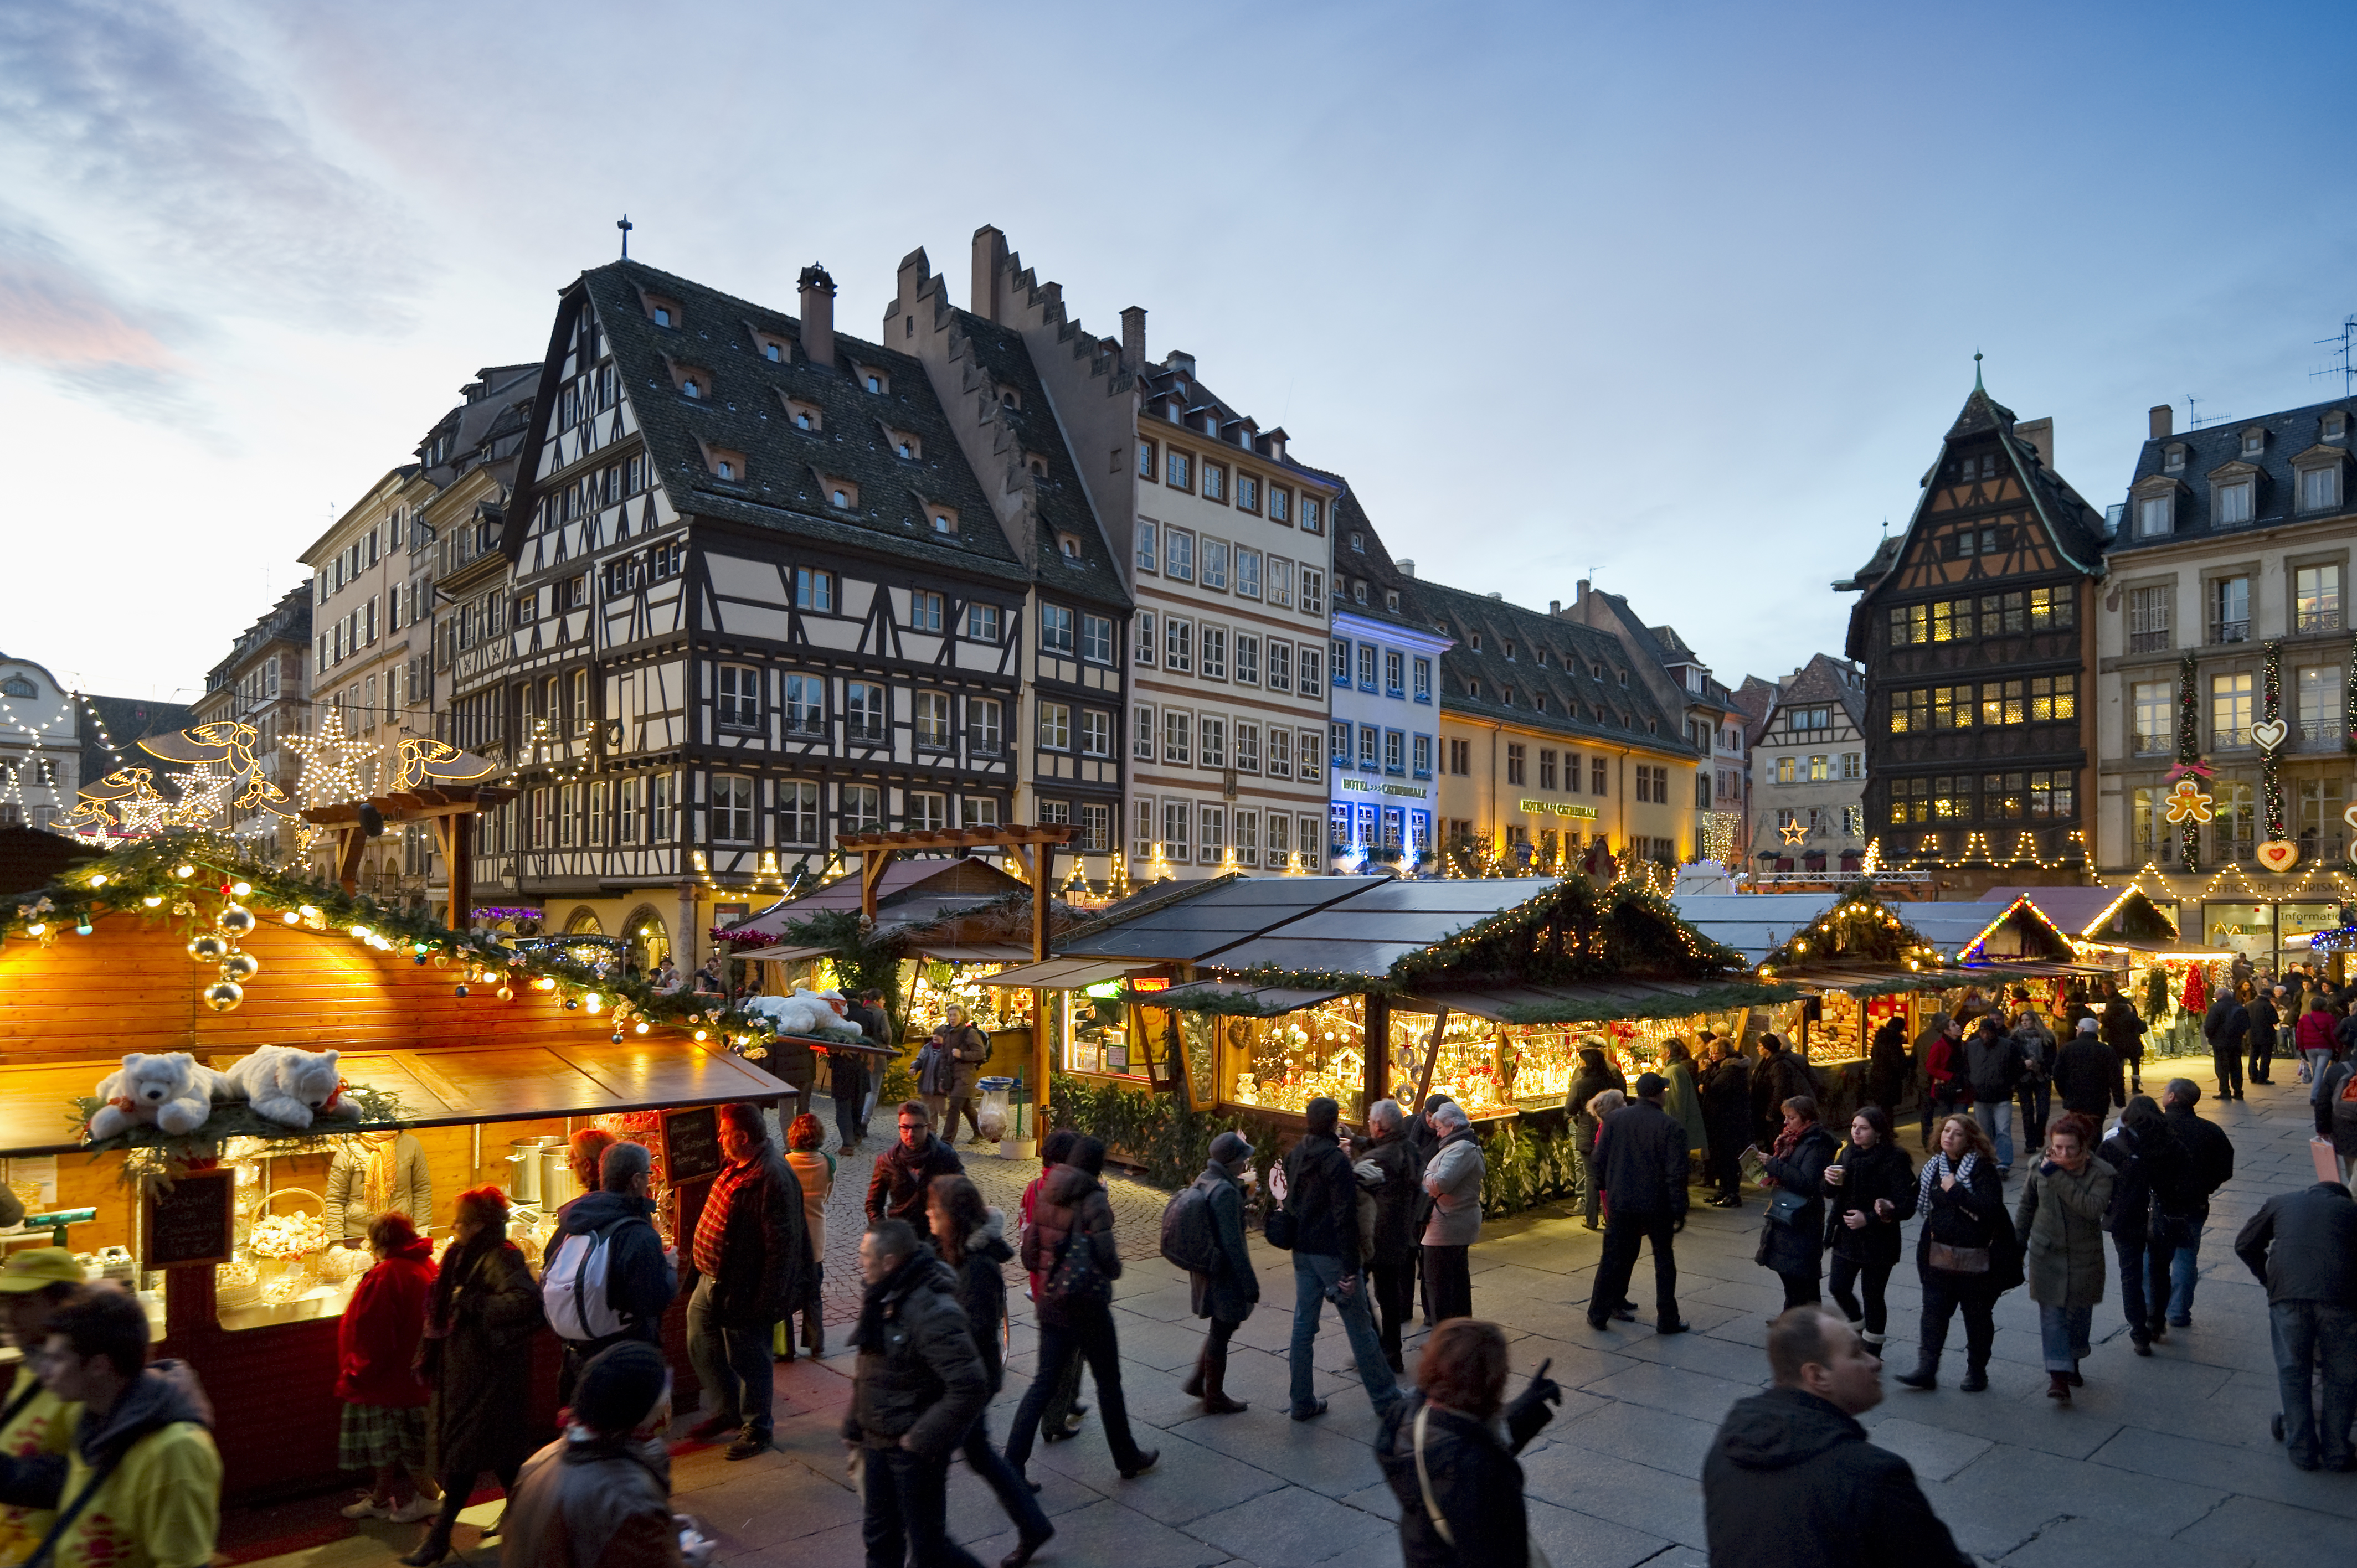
{"type": "Point", "coordinates": [2270, 705]}
{"type": "Point", "coordinates": [1859, 928]}
{"type": "Point", "coordinates": [2189, 749]}
{"type": "Point", "coordinates": [2349, 702]}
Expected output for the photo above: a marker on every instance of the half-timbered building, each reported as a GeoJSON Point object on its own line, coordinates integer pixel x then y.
{"type": "Point", "coordinates": [1975, 627]}
{"type": "Point", "coordinates": [755, 597]}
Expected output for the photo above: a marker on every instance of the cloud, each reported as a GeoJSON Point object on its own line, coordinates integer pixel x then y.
{"type": "Point", "coordinates": [58, 316]}
{"type": "Point", "coordinates": [160, 139]}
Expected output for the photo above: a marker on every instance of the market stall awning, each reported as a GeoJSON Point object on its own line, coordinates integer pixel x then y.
{"type": "Point", "coordinates": [1236, 996]}
{"type": "Point", "coordinates": [978, 952]}
{"type": "Point", "coordinates": [1596, 1004]}
{"type": "Point", "coordinates": [2114, 915]}
{"type": "Point", "coordinates": [2032, 969]}
{"type": "Point", "coordinates": [438, 1088]}
{"type": "Point", "coordinates": [1753, 924]}
{"type": "Point", "coordinates": [1068, 973]}
{"type": "Point", "coordinates": [1383, 922]}
{"type": "Point", "coordinates": [1872, 979]}
{"type": "Point", "coordinates": [1193, 926]}
{"type": "Point", "coordinates": [779, 954]}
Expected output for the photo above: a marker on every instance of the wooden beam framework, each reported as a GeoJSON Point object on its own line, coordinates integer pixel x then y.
{"type": "Point", "coordinates": [451, 811]}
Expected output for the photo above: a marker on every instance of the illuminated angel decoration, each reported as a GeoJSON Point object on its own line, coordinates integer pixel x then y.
{"type": "Point", "coordinates": [426, 762]}
{"type": "Point", "coordinates": [127, 799]}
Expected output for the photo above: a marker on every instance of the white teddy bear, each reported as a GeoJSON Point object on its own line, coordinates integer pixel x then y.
{"type": "Point", "coordinates": [171, 1091]}
{"type": "Point", "coordinates": [289, 1085]}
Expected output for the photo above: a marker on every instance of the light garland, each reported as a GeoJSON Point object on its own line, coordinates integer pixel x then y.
{"type": "Point", "coordinates": [2189, 755]}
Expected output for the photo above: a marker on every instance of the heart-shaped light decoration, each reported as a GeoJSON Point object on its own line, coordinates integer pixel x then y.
{"type": "Point", "coordinates": [2269, 734]}
{"type": "Point", "coordinates": [2277, 854]}
{"type": "Point", "coordinates": [2350, 816]}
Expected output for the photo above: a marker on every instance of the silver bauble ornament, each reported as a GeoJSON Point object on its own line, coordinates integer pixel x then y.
{"type": "Point", "coordinates": [235, 920]}
{"type": "Point", "coordinates": [223, 995]}
{"type": "Point", "coordinates": [209, 950]}
{"type": "Point", "coordinates": [241, 967]}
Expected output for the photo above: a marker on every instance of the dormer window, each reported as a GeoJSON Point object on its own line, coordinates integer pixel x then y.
{"type": "Point", "coordinates": [1068, 546]}
{"type": "Point", "coordinates": [661, 310]}
{"type": "Point", "coordinates": [2173, 461]}
{"type": "Point", "coordinates": [944, 521]}
{"type": "Point", "coordinates": [1473, 688]}
{"type": "Point", "coordinates": [1008, 397]}
{"type": "Point", "coordinates": [1392, 603]}
{"type": "Point", "coordinates": [725, 469]}
{"type": "Point", "coordinates": [1510, 649]}
{"type": "Point", "coordinates": [2336, 425]}
{"type": "Point", "coordinates": [1624, 676]}
{"type": "Point", "coordinates": [841, 494]}
{"type": "Point", "coordinates": [2233, 503]}
{"type": "Point", "coordinates": [662, 315]}
{"type": "Point", "coordinates": [2320, 487]}
{"type": "Point", "coordinates": [2254, 443]}
{"type": "Point", "coordinates": [1036, 464]}
{"type": "Point", "coordinates": [772, 353]}
{"type": "Point", "coordinates": [905, 443]}
{"type": "Point", "coordinates": [2156, 515]}
{"type": "Point", "coordinates": [874, 380]}
{"type": "Point", "coordinates": [1475, 641]}
{"type": "Point", "coordinates": [690, 387]}
{"type": "Point", "coordinates": [1358, 541]}
{"type": "Point", "coordinates": [1541, 701]}
{"type": "Point", "coordinates": [804, 416]}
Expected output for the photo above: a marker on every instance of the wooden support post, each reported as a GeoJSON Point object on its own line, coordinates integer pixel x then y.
{"type": "Point", "coordinates": [1431, 1057]}
{"type": "Point", "coordinates": [350, 842]}
{"type": "Point", "coordinates": [872, 863]}
{"type": "Point", "coordinates": [460, 862]}
{"type": "Point", "coordinates": [1374, 1074]}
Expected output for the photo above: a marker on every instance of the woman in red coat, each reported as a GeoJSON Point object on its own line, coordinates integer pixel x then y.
{"type": "Point", "coordinates": [376, 1374]}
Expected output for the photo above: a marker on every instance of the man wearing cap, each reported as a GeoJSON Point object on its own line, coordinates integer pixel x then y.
{"type": "Point", "coordinates": [1228, 1292]}
{"type": "Point", "coordinates": [2087, 1074]}
{"type": "Point", "coordinates": [601, 1493]}
{"type": "Point", "coordinates": [36, 1426]}
{"type": "Point", "coordinates": [1641, 1154]}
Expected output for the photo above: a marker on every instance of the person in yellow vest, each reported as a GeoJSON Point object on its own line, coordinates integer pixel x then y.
{"type": "Point", "coordinates": [36, 1426]}
{"type": "Point", "coordinates": [141, 1487]}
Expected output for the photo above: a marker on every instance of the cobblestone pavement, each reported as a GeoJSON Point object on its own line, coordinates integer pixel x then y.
{"type": "Point", "coordinates": [2161, 1462]}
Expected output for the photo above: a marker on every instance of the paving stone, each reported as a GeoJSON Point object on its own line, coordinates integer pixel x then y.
{"type": "Point", "coordinates": [1292, 1528]}
{"type": "Point", "coordinates": [1573, 1540]}
{"type": "Point", "coordinates": [2087, 1542]}
{"type": "Point", "coordinates": [1102, 1534]}
{"type": "Point", "coordinates": [2245, 1470]}
{"type": "Point", "coordinates": [1654, 1437]}
{"type": "Point", "coordinates": [2270, 1532]}
{"type": "Point", "coordinates": [1636, 1496]}
{"type": "Point", "coordinates": [1331, 1456]}
{"type": "Point", "coordinates": [2022, 1487]}
{"type": "Point", "coordinates": [1935, 1453]}
{"type": "Point", "coordinates": [1692, 1395]}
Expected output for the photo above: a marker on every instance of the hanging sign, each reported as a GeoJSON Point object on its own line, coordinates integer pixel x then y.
{"type": "Point", "coordinates": [2279, 854]}
{"type": "Point", "coordinates": [2269, 734]}
{"type": "Point", "coordinates": [2188, 803]}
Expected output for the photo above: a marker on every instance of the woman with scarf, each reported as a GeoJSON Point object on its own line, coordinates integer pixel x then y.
{"type": "Point", "coordinates": [483, 1311]}
{"type": "Point", "coordinates": [1792, 1243]}
{"type": "Point", "coordinates": [2062, 1218]}
{"type": "Point", "coordinates": [971, 1238]}
{"type": "Point", "coordinates": [1963, 1253]}
{"type": "Point", "coordinates": [1683, 1102]}
{"type": "Point", "coordinates": [1872, 1185]}
{"type": "Point", "coordinates": [378, 1173]}
{"type": "Point", "coordinates": [1594, 1077]}
{"type": "Point", "coordinates": [376, 1374]}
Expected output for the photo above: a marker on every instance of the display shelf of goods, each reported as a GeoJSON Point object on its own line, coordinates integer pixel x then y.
{"type": "Point", "coordinates": [1284, 1063]}
{"type": "Point", "coordinates": [1472, 1066]}
{"type": "Point", "coordinates": [1840, 1034]}
{"type": "Point", "coordinates": [1095, 1034]}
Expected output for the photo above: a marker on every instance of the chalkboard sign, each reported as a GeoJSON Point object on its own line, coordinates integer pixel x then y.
{"type": "Point", "coordinates": [691, 1144]}
{"type": "Point", "coordinates": [196, 1222]}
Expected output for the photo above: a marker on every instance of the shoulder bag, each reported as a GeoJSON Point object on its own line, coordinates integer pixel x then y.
{"type": "Point", "coordinates": [1537, 1557]}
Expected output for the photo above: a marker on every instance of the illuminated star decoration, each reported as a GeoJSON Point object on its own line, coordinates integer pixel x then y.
{"type": "Point", "coordinates": [2188, 803]}
{"type": "Point", "coordinates": [125, 798]}
{"type": "Point", "coordinates": [1793, 831]}
{"type": "Point", "coordinates": [329, 772]}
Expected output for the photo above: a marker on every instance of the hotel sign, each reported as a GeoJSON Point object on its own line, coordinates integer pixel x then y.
{"type": "Point", "coordinates": [1557, 808]}
{"type": "Point", "coordinates": [1413, 791]}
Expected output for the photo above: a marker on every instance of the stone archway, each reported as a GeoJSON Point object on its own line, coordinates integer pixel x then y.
{"type": "Point", "coordinates": [584, 922]}
{"type": "Point", "coordinates": [649, 937]}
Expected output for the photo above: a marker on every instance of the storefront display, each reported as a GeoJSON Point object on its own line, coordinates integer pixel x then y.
{"type": "Point", "coordinates": [1284, 1063]}
{"type": "Point", "coordinates": [1092, 1032]}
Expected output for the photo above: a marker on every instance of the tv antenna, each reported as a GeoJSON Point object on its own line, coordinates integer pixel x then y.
{"type": "Point", "coordinates": [2194, 420]}
{"type": "Point", "coordinates": [2341, 343]}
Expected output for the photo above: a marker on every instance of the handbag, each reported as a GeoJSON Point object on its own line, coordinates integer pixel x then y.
{"type": "Point", "coordinates": [1785, 1207]}
{"type": "Point", "coordinates": [1537, 1557]}
{"type": "Point", "coordinates": [1956, 1260]}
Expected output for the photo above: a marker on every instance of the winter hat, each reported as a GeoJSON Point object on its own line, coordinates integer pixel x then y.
{"type": "Point", "coordinates": [1651, 1084]}
{"type": "Point", "coordinates": [1230, 1147]}
{"type": "Point", "coordinates": [2086, 1025]}
{"type": "Point", "coordinates": [619, 1386]}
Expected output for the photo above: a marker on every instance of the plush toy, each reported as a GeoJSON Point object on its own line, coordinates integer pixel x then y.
{"type": "Point", "coordinates": [290, 1085]}
{"type": "Point", "coordinates": [804, 1012]}
{"type": "Point", "coordinates": [171, 1091]}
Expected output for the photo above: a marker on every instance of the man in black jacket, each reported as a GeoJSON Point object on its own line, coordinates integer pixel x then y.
{"type": "Point", "coordinates": [2087, 1074]}
{"type": "Point", "coordinates": [2181, 1207]}
{"type": "Point", "coordinates": [1321, 1193]}
{"type": "Point", "coordinates": [2124, 1032]}
{"type": "Point", "coordinates": [2227, 1028]}
{"type": "Point", "coordinates": [1791, 1482]}
{"type": "Point", "coordinates": [640, 1277]}
{"type": "Point", "coordinates": [1392, 1269]}
{"type": "Point", "coordinates": [1642, 1156]}
{"type": "Point", "coordinates": [1993, 1066]}
{"type": "Point", "coordinates": [920, 1386]}
{"type": "Point", "coordinates": [904, 1172]}
{"type": "Point", "coordinates": [2265, 1010]}
{"type": "Point", "coordinates": [1726, 1115]}
{"type": "Point", "coordinates": [2303, 1246]}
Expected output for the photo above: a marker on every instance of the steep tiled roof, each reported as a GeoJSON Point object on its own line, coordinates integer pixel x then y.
{"type": "Point", "coordinates": [1821, 679]}
{"type": "Point", "coordinates": [747, 413]}
{"type": "Point", "coordinates": [1361, 556]}
{"type": "Point", "coordinates": [1514, 681]}
{"type": "Point", "coordinates": [2287, 434]}
{"type": "Point", "coordinates": [1061, 501]}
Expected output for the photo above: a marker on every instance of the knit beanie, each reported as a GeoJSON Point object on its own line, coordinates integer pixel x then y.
{"type": "Point", "coordinates": [619, 1386]}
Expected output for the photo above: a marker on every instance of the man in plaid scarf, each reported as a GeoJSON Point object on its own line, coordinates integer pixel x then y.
{"type": "Point", "coordinates": [750, 1253]}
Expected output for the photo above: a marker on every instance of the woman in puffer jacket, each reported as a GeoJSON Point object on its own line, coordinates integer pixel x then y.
{"type": "Point", "coordinates": [972, 1238]}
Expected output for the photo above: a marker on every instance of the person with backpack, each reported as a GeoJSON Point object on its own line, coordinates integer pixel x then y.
{"type": "Point", "coordinates": [1203, 1233]}
{"type": "Point", "coordinates": [608, 1277]}
{"type": "Point", "coordinates": [1401, 1205]}
{"type": "Point", "coordinates": [383, 1427]}
{"type": "Point", "coordinates": [1059, 1418]}
{"type": "Point", "coordinates": [971, 1238]}
{"type": "Point", "coordinates": [814, 1168]}
{"type": "Point", "coordinates": [1070, 1242]}
{"type": "Point", "coordinates": [2181, 1208]}
{"type": "Point", "coordinates": [1318, 1223]}
{"type": "Point", "coordinates": [2143, 1157]}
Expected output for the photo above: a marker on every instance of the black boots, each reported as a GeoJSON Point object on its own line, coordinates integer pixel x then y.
{"type": "Point", "coordinates": [1208, 1382]}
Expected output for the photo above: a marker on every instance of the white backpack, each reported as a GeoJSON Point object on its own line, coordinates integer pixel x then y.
{"type": "Point", "coordinates": [574, 1291]}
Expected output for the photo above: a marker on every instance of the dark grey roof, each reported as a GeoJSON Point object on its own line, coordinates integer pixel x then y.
{"type": "Point", "coordinates": [125, 719]}
{"type": "Point", "coordinates": [1818, 680]}
{"type": "Point", "coordinates": [288, 620]}
{"type": "Point", "coordinates": [747, 413]}
{"type": "Point", "coordinates": [1665, 647]}
{"type": "Point", "coordinates": [1368, 560]}
{"type": "Point", "coordinates": [1369, 932]}
{"type": "Point", "coordinates": [2287, 434]}
{"type": "Point", "coordinates": [1578, 704]}
{"type": "Point", "coordinates": [1226, 912]}
{"type": "Point", "coordinates": [1061, 504]}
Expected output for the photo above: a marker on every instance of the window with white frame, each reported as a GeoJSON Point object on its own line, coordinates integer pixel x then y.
{"type": "Point", "coordinates": [1142, 644]}
{"type": "Point", "coordinates": [662, 808]}
{"type": "Point", "coordinates": [985, 726]}
{"type": "Point", "coordinates": [1141, 732]}
{"type": "Point", "coordinates": [860, 808]}
{"type": "Point", "coordinates": [1305, 757]}
{"type": "Point", "coordinates": [867, 713]}
{"type": "Point", "coordinates": [1213, 845]}
{"type": "Point", "coordinates": [1213, 731]}
{"type": "Point", "coordinates": [1055, 629]}
{"type": "Point", "coordinates": [798, 811]}
{"type": "Point", "coordinates": [626, 794]}
{"type": "Point", "coordinates": [1424, 757]}
{"type": "Point", "coordinates": [932, 713]}
{"type": "Point", "coordinates": [1245, 827]}
{"type": "Point", "coordinates": [1096, 639]}
{"type": "Point", "coordinates": [1247, 658]}
{"type": "Point", "coordinates": [2316, 598]}
{"type": "Point", "coordinates": [1280, 839]}
{"type": "Point", "coordinates": [1215, 653]}
{"type": "Point", "coordinates": [1176, 829]}
{"type": "Point", "coordinates": [2156, 515]}
{"type": "Point", "coordinates": [1313, 592]}
{"type": "Point", "coordinates": [1214, 564]}
{"type": "Point", "coordinates": [1247, 754]}
{"type": "Point", "coordinates": [1177, 645]}
{"type": "Point", "coordinates": [1178, 555]}
{"type": "Point", "coordinates": [1146, 555]}
{"type": "Point", "coordinates": [981, 811]}
{"type": "Point", "coordinates": [1280, 666]}
{"type": "Point", "coordinates": [805, 704]}
{"type": "Point", "coordinates": [740, 697]}
{"type": "Point", "coordinates": [1311, 670]}
{"type": "Point", "coordinates": [982, 622]}
{"type": "Point", "coordinates": [814, 590]}
{"type": "Point", "coordinates": [732, 809]}
{"type": "Point", "coordinates": [1177, 737]}
{"type": "Point", "coordinates": [924, 611]}
{"type": "Point", "coordinates": [1056, 726]}
{"type": "Point", "coordinates": [2318, 696]}
{"type": "Point", "coordinates": [1280, 582]}
{"type": "Point", "coordinates": [1370, 740]}
{"type": "Point", "coordinates": [1142, 839]}
{"type": "Point", "coordinates": [928, 811]}
{"type": "Point", "coordinates": [1096, 733]}
{"type": "Point", "coordinates": [1280, 753]}
{"type": "Point", "coordinates": [1367, 667]}
{"type": "Point", "coordinates": [2233, 503]}
{"type": "Point", "coordinates": [1096, 828]}
{"type": "Point", "coordinates": [1247, 573]}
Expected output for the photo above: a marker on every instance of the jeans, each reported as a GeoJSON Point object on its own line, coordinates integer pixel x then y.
{"type": "Point", "coordinates": [1449, 1281]}
{"type": "Point", "coordinates": [1086, 1331]}
{"type": "Point", "coordinates": [2313, 1336]}
{"type": "Point", "coordinates": [1315, 1274]}
{"type": "Point", "coordinates": [2062, 1334]}
{"type": "Point", "coordinates": [1394, 1300]}
{"type": "Point", "coordinates": [2176, 1246]}
{"type": "Point", "coordinates": [1014, 1499]}
{"type": "Point", "coordinates": [906, 1505]}
{"type": "Point", "coordinates": [1996, 1117]}
{"type": "Point", "coordinates": [2037, 1098]}
{"type": "Point", "coordinates": [1622, 1232]}
{"type": "Point", "coordinates": [2131, 1251]}
{"type": "Point", "coordinates": [1943, 1294]}
{"type": "Point", "coordinates": [1591, 1194]}
{"type": "Point", "coordinates": [2313, 1065]}
{"type": "Point", "coordinates": [1845, 1275]}
{"type": "Point", "coordinates": [733, 1364]}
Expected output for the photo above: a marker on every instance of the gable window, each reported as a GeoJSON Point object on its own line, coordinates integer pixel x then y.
{"type": "Point", "coordinates": [2319, 488]}
{"type": "Point", "coordinates": [2156, 515]}
{"type": "Point", "coordinates": [932, 719]}
{"type": "Point", "coordinates": [2316, 596]}
{"type": "Point", "coordinates": [982, 622]}
{"type": "Point", "coordinates": [2234, 503]}
{"type": "Point", "coordinates": [1055, 628]}
{"type": "Point", "coordinates": [740, 697]}
{"type": "Point", "coordinates": [1096, 639]}
{"type": "Point", "coordinates": [814, 590]}
{"type": "Point", "coordinates": [924, 611]}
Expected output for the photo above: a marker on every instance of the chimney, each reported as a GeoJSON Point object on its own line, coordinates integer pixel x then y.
{"type": "Point", "coordinates": [1407, 566]}
{"type": "Point", "coordinates": [818, 314]}
{"type": "Point", "coordinates": [1180, 360]}
{"type": "Point", "coordinates": [1554, 606]}
{"type": "Point", "coordinates": [2039, 434]}
{"type": "Point", "coordinates": [2163, 421]}
{"type": "Point", "coordinates": [989, 261]}
{"type": "Point", "coordinates": [1133, 338]}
